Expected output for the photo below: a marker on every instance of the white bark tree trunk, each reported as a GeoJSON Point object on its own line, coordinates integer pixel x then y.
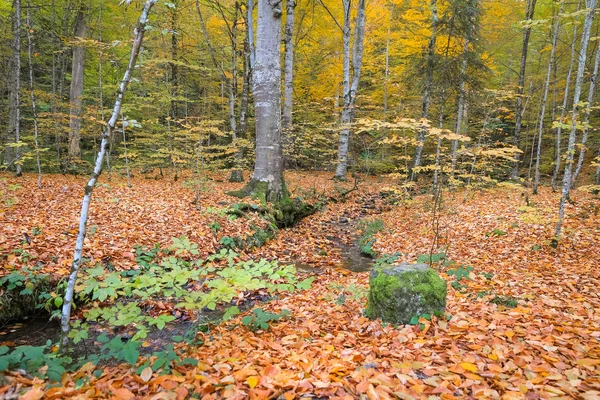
{"type": "Point", "coordinates": [76, 93]}
{"type": "Point", "coordinates": [551, 62]}
{"type": "Point", "coordinates": [566, 188]}
{"type": "Point", "coordinates": [267, 181]}
{"type": "Point", "coordinates": [350, 89]}
{"type": "Point", "coordinates": [85, 205]}
{"type": "Point", "coordinates": [288, 80]}
{"type": "Point", "coordinates": [586, 121]}
{"type": "Point", "coordinates": [564, 106]}
{"type": "Point", "coordinates": [461, 108]}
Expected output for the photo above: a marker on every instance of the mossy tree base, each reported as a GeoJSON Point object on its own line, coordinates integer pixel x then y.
{"type": "Point", "coordinates": [265, 191]}
{"type": "Point", "coordinates": [399, 293]}
{"type": "Point", "coordinates": [284, 211]}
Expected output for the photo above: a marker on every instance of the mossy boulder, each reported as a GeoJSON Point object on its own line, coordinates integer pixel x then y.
{"type": "Point", "coordinates": [399, 292]}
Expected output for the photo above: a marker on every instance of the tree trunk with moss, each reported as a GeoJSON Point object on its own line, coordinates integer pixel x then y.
{"type": "Point", "coordinates": [267, 181]}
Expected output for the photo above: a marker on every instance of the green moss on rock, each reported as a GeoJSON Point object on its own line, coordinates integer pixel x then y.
{"type": "Point", "coordinates": [398, 293]}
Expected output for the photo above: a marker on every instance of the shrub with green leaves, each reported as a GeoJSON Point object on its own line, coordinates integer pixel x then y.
{"type": "Point", "coordinates": [191, 285]}
{"type": "Point", "coordinates": [32, 358]}
{"type": "Point", "coordinates": [259, 319]}
{"type": "Point", "coordinates": [366, 240]}
{"type": "Point", "coordinates": [506, 301]}
{"type": "Point", "coordinates": [459, 274]}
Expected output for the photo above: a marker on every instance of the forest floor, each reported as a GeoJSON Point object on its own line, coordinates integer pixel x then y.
{"type": "Point", "coordinates": [526, 324]}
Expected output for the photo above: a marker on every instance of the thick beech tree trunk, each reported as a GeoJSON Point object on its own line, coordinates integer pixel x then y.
{"type": "Point", "coordinates": [350, 89]}
{"type": "Point", "coordinates": [427, 89]}
{"type": "Point", "coordinates": [85, 205]}
{"type": "Point", "coordinates": [77, 73]}
{"type": "Point", "coordinates": [14, 117]}
{"type": "Point", "coordinates": [566, 187]}
{"type": "Point", "coordinates": [520, 89]}
{"type": "Point", "coordinates": [551, 62]}
{"type": "Point", "coordinates": [267, 181]}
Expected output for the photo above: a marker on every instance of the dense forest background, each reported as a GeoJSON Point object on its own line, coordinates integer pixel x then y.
{"type": "Point", "coordinates": [494, 74]}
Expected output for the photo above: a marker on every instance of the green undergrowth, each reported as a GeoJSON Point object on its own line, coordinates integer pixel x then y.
{"type": "Point", "coordinates": [367, 239]}
{"type": "Point", "coordinates": [25, 293]}
{"type": "Point", "coordinates": [167, 286]}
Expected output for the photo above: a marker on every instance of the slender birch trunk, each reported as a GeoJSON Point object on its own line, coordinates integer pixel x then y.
{"type": "Point", "coordinates": [551, 63]}
{"type": "Point", "coordinates": [530, 11]}
{"type": "Point", "coordinates": [586, 121]}
{"type": "Point", "coordinates": [14, 119]}
{"type": "Point", "coordinates": [288, 79]}
{"type": "Point", "coordinates": [430, 66]}
{"type": "Point", "coordinates": [350, 89]}
{"type": "Point", "coordinates": [461, 108]}
{"type": "Point", "coordinates": [438, 148]}
{"type": "Point", "coordinates": [77, 74]}
{"type": "Point", "coordinates": [33, 106]}
{"type": "Point", "coordinates": [85, 205]}
{"type": "Point", "coordinates": [267, 180]}
{"type": "Point", "coordinates": [566, 188]}
{"type": "Point", "coordinates": [563, 111]}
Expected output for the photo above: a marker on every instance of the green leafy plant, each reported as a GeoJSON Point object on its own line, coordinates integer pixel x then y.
{"type": "Point", "coordinates": [366, 240]}
{"type": "Point", "coordinates": [38, 361]}
{"type": "Point", "coordinates": [227, 242]}
{"type": "Point", "coordinates": [488, 275]}
{"type": "Point", "coordinates": [434, 258]}
{"type": "Point", "coordinates": [459, 274]}
{"type": "Point", "coordinates": [215, 226]}
{"type": "Point", "coordinates": [416, 318]}
{"type": "Point", "coordinates": [506, 301]}
{"type": "Point", "coordinates": [386, 260]}
{"type": "Point", "coordinates": [182, 245]}
{"type": "Point", "coordinates": [259, 319]}
{"type": "Point", "coordinates": [496, 232]}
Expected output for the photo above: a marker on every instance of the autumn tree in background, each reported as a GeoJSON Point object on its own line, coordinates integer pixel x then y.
{"type": "Point", "coordinates": [350, 84]}
{"type": "Point", "coordinates": [77, 77]}
{"type": "Point", "coordinates": [438, 60]}
{"type": "Point", "coordinates": [14, 117]}
{"type": "Point", "coordinates": [428, 85]}
{"type": "Point", "coordinates": [529, 13]}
